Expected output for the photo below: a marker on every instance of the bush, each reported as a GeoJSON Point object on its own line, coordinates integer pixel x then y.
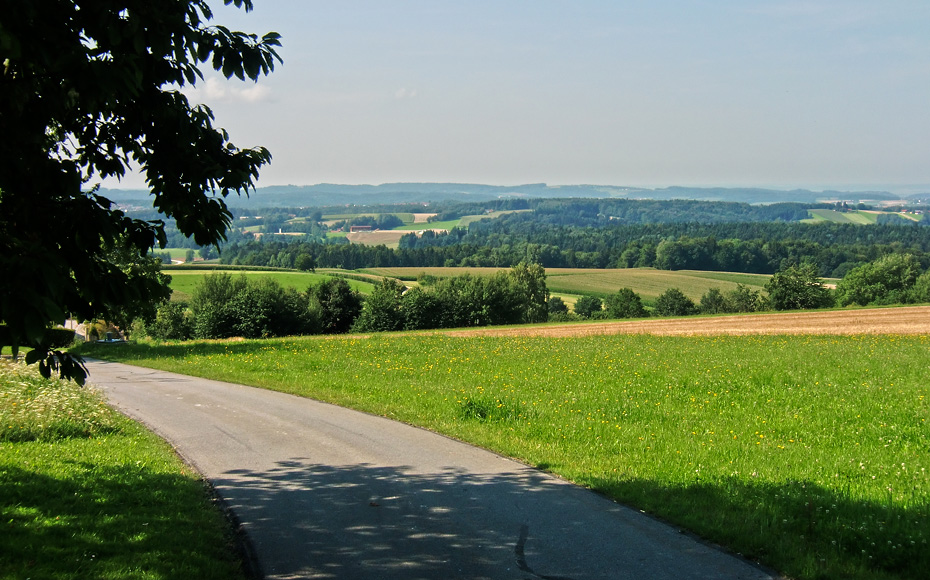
{"type": "Point", "coordinates": [335, 305]}
{"type": "Point", "coordinates": [887, 280]}
{"type": "Point", "coordinates": [625, 304]}
{"type": "Point", "coordinates": [381, 310]}
{"type": "Point", "coordinates": [742, 299]}
{"type": "Point", "coordinates": [172, 322]}
{"type": "Point", "coordinates": [223, 306]}
{"type": "Point", "coordinates": [673, 302]}
{"type": "Point", "coordinates": [586, 306]}
{"type": "Point", "coordinates": [564, 317]}
{"type": "Point", "coordinates": [798, 288]}
{"type": "Point", "coordinates": [58, 338]}
{"type": "Point", "coordinates": [920, 292]}
{"type": "Point", "coordinates": [714, 302]}
{"type": "Point", "coordinates": [422, 309]}
{"type": "Point", "coordinates": [557, 306]}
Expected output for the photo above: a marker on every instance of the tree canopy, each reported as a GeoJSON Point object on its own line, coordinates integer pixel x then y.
{"type": "Point", "coordinates": [88, 90]}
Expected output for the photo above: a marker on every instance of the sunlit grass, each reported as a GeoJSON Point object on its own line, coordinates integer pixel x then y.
{"type": "Point", "coordinates": [808, 453]}
{"type": "Point", "coordinates": [87, 493]}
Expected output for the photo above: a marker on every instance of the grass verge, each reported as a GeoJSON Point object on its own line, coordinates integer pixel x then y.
{"type": "Point", "coordinates": [808, 453]}
{"type": "Point", "coordinates": [87, 493]}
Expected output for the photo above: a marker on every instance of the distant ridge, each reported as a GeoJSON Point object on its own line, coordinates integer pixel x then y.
{"type": "Point", "coordinates": [327, 194]}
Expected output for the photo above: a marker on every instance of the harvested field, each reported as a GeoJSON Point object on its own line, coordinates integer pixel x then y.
{"type": "Point", "coordinates": [914, 320]}
{"type": "Point", "coordinates": [389, 238]}
{"type": "Point", "coordinates": [421, 218]}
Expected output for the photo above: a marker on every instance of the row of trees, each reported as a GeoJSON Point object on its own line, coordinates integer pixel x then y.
{"type": "Point", "coordinates": [893, 279]}
{"type": "Point", "coordinates": [763, 248]}
{"type": "Point", "coordinates": [514, 297]}
{"type": "Point", "coordinates": [673, 302]}
{"type": "Point", "coordinates": [224, 306]}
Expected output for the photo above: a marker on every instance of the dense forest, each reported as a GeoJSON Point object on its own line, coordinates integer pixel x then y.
{"type": "Point", "coordinates": [580, 233]}
{"type": "Point", "coordinates": [757, 247]}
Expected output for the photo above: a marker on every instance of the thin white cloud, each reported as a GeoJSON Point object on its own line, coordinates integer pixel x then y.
{"type": "Point", "coordinates": [405, 93]}
{"type": "Point", "coordinates": [214, 90]}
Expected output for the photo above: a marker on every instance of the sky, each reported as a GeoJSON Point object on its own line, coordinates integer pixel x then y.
{"type": "Point", "coordinates": [765, 93]}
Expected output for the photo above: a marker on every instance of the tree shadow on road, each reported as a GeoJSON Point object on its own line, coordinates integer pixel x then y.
{"type": "Point", "coordinates": [367, 521]}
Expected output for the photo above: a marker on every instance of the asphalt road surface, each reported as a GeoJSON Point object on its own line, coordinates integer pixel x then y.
{"type": "Point", "coordinates": [324, 492]}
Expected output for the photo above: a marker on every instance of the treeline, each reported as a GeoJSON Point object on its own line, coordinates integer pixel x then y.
{"type": "Point", "coordinates": [224, 306]}
{"type": "Point", "coordinates": [759, 247]}
{"type": "Point", "coordinates": [601, 212]}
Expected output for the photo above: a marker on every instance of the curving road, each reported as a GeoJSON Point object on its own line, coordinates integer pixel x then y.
{"type": "Point", "coordinates": [324, 492]}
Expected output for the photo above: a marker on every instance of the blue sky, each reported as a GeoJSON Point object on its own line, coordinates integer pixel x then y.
{"type": "Point", "coordinates": [818, 94]}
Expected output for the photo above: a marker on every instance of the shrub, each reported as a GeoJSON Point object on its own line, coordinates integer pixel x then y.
{"type": "Point", "coordinates": [557, 306]}
{"type": "Point", "coordinates": [172, 322]}
{"type": "Point", "coordinates": [381, 310]}
{"type": "Point", "coordinates": [887, 280]}
{"type": "Point", "coordinates": [797, 288]}
{"type": "Point", "coordinates": [714, 302]}
{"type": "Point", "coordinates": [335, 304]}
{"type": "Point", "coordinates": [586, 306]}
{"type": "Point", "coordinates": [673, 302]}
{"type": "Point", "coordinates": [742, 299]}
{"type": "Point", "coordinates": [625, 304]}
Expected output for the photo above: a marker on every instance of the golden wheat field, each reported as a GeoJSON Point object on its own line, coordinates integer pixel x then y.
{"type": "Point", "coordinates": [911, 320]}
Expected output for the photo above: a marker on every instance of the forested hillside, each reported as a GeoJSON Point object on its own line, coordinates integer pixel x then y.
{"type": "Point", "coordinates": [614, 233]}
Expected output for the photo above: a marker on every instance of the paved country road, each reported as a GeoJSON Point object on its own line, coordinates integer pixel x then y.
{"type": "Point", "coordinates": [324, 492]}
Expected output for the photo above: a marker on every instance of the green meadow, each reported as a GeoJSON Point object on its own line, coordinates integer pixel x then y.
{"type": "Point", "coordinates": [87, 493]}
{"type": "Point", "coordinates": [809, 454]}
{"type": "Point", "coordinates": [852, 217]}
{"type": "Point", "coordinates": [183, 282]}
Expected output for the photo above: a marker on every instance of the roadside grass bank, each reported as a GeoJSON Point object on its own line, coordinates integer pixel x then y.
{"type": "Point", "coordinates": [87, 493]}
{"type": "Point", "coordinates": [807, 453]}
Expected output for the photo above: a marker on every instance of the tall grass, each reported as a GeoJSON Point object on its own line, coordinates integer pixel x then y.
{"type": "Point", "coordinates": [808, 453]}
{"type": "Point", "coordinates": [86, 493]}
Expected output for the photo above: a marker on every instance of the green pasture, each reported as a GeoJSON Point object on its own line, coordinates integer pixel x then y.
{"type": "Point", "coordinates": [853, 217]}
{"type": "Point", "coordinates": [412, 273]}
{"type": "Point", "coordinates": [183, 282]}
{"type": "Point", "coordinates": [405, 217]}
{"type": "Point", "coordinates": [808, 453]}
{"type": "Point", "coordinates": [467, 220]}
{"type": "Point", "coordinates": [176, 253]}
{"type": "Point", "coordinates": [464, 222]}
{"type": "Point", "coordinates": [647, 282]}
{"type": "Point", "coordinates": [87, 493]}
{"type": "Point", "coordinates": [445, 225]}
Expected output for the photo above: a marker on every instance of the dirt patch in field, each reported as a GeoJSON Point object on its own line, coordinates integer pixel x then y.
{"type": "Point", "coordinates": [905, 320]}
{"type": "Point", "coordinates": [421, 218]}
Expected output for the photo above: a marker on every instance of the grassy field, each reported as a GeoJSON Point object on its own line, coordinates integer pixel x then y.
{"type": "Point", "coordinates": [176, 253]}
{"type": "Point", "coordinates": [808, 453]}
{"type": "Point", "coordinates": [407, 218]}
{"type": "Point", "coordinates": [647, 282]}
{"type": "Point", "coordinates": [852, 217]}
{"type": "Point", "coordinates": [183, 282]}
{"type": "Point", "coordinates": [445, 225]}
{"type": "Point", "coordinates": [87, 493]}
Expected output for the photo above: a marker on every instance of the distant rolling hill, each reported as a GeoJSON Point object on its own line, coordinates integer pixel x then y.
{"type": "Point", "coordinates": [394, 193]}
